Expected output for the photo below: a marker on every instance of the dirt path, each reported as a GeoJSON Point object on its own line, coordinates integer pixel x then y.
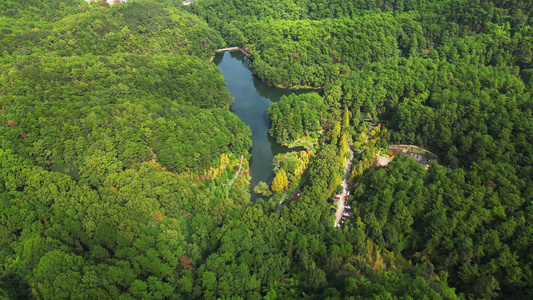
{"type": "Point", "coordinates": [234, 177]}
{"type": "Point", "coordinates": [340, 209]}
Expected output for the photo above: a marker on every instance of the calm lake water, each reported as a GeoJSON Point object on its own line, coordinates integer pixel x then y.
{"type": "Point", "coordinates": [252, 100]}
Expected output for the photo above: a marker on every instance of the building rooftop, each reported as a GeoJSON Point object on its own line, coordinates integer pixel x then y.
{"type": "Point", "coordinates": [422, 159]}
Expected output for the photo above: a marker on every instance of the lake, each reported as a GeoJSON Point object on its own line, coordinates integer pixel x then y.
{"type": "Point", "coordinates": [252, 100]}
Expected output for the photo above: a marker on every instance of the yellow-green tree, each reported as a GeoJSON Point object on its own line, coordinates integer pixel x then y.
{"type": "Point", "coordinates": [343, 145]}
{"type": "Point", "coordinates": [303, 162]}
{"type": "Point", "coordinates": [357, 170]}
{"type": "Point", "coordinates": [280, 181]}
{"type": "Point", "coordinates": [336, 134]}
{"type": "Point", "coordinates": [345, 118]}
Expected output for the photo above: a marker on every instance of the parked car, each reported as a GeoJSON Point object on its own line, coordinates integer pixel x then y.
{"type": "Point", "coordinates": [332, 210]}
{"type": "Point", "coordinates": [347, 206]}
{"type": "Point", "coordinates": [337, 196]}
{"type": "Point", "coordinates": [346, 198]}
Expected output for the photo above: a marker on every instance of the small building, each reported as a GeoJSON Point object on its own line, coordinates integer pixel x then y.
{"type": "Point", "coordinates": [421, 159]}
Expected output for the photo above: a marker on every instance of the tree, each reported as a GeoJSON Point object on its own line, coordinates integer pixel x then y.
{"type": "Point", "coordinates": [262, 189]}
{"type": "Point", "coordinates": [343, 145]}
{"type": "Point", "coordinates": [334, 97]}
{"type": "Point", "coordinates": [280, 180]}
{"type": "Point", "coordinates": [335, 134]}
{"type": "Point", "coordinates": [316, 279]}
{"type": "Point", "coordinates": [345, 118]}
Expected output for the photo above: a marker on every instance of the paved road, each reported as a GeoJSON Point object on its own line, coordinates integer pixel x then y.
{"type": "Point", "coordinates": [340, 209]}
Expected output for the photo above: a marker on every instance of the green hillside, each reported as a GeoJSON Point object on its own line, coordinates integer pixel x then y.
{"type": "Point", "coordinates": [117, 145]}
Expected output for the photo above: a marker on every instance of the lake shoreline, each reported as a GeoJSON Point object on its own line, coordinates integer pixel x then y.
{"type": "Point", "coordinates": [252, 99]}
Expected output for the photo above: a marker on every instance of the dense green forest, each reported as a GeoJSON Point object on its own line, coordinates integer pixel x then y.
{"type": "Point", "coordinates": [454, 77]}
{"type": "Point", "coordinates": [73, 28]}
{"type": "Point", "coordinates": [296, 116]}
{"type": "Point", "coordinates": [117, 143]}
{"type": "Point", "coordinates": [317, 42]}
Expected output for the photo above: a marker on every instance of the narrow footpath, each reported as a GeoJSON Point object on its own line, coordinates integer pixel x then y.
{"type": "Point", "coordinates": [234, 177]}
{"type": "Point", "coordinates": [280, 205]}
{"type": "Point", "coordinates": [340, 209]}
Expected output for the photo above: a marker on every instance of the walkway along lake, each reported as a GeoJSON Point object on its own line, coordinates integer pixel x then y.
{"type": "Point", "coordinates": [252, 100]}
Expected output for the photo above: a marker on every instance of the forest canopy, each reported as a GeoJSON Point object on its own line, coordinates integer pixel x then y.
{"type": "Point", "coordinates": [453, 77]}
{"type": "Point", "coordinates": [117, 147]}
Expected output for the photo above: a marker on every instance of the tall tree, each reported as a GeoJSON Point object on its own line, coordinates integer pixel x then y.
{"type": "Point", "coordinates": [345, 118]}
